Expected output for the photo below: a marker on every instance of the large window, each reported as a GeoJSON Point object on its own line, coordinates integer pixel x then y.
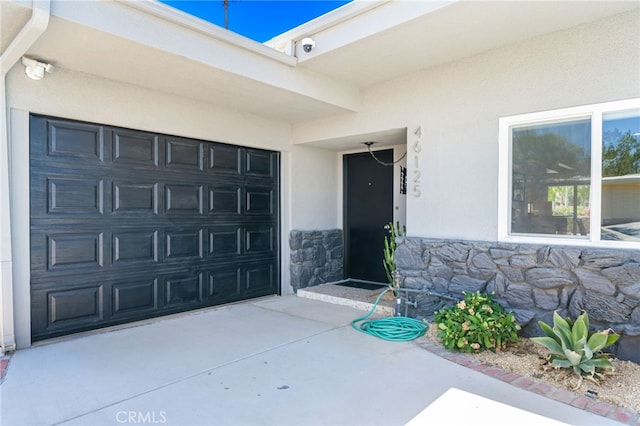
{"type": "Point", "coordinates": [572, 174]}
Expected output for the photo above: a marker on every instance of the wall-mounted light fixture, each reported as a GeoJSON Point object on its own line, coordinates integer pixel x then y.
{"type": "Point", "coordinates": [35, 70]}
{"type": "Point", "coordinates": [370, 143]}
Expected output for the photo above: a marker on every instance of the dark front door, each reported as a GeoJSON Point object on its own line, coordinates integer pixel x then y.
{"type": "Point", "coordinates": [368, 207]}
{"type": "Point", "coordinates": [127, 225]}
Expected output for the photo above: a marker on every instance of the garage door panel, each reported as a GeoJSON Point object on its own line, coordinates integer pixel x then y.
{"type": "Point", "coordinates": [260, 239]}
{"type": "Point", "coordinates": [183, 289]}
{"type": "Point", "coordinates": [75, 251]}
{"type": "Point", "coordinates": [135, 297]}
{"type": "Point", "coordinates": [135, 148]}
{"type": "Point", "coordinates": [75, 141]}
{"type": "Point", "coordinates": [259, 200]}
{"type": "Point", "coordinates": [75, 196]}
{"type": "Point", "coordinates": [84, 304]}
{"type": "Point", "coordinates": [148, 225]}
{"type": "Point", "coordinates": [184, 244]}
{"type": "Point", "coordinates": [135, 198]}
{"type": "Point", "coordinates": [225, 200]}
{"type": "Point", "coordinates": [259, 163]}
{"type": "Point", "coordinates": [59, 194]}
{"type": "Point", "coordinates": [67, 250]}
{"type": "Point", "coordinates": [225, 241]}
{"type": "Point", "coordinates": [135, 246]}
{"type": "Point", "coordinates": [79, 307]}
{"type": "Point", "coordinates": [224, 284]}
{"type": "Point", "coordinates": [259, 279]}
{"type": "Point", "coordinates": [183, 199]}
{"type": "Point", "coordinates": [184, 155]}
{"type": "Point", "coordinates": [225, 159]}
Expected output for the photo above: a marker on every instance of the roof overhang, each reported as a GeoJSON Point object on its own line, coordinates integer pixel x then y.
{"type": "Point", "coordinates": [364, 43]}
{"type": "Point", "coordinates": [151, 45]}
{"type": "Point", "coordinates": [369, 43]}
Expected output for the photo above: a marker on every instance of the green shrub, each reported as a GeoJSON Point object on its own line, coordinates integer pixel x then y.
{"type": "Point", "coordinates": [572, 346]}
{"type": "Point", "coordinates": [476, 323]}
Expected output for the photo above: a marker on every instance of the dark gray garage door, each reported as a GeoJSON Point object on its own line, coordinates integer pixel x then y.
{"type": "Point", "coordinates": [127, 225]}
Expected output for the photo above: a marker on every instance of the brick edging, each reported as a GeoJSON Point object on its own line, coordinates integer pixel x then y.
{"type": "Point", "coordinates": [4, 366]}
{"type": "Point", "coordinates": [595, 406]}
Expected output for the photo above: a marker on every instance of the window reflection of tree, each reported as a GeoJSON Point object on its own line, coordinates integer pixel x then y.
{"type": "Point", "coordinates": [551, 156]}
{"type": "Point", "coordinates": [620, 184]}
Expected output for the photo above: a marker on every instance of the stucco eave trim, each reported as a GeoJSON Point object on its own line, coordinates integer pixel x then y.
{"type": "Point", "coordinates": [193, 23]}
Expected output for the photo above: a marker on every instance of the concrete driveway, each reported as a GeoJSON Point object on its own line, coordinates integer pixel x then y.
{"type": "Point", "coordinates": [273, 361]}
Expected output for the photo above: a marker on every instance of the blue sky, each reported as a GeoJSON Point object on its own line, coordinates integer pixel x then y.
{"type": "Point", "coordinates": [259, 20]}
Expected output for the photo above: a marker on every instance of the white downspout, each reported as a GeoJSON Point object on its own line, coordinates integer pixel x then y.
{"type": "Point", "coordinates": [32, 30]}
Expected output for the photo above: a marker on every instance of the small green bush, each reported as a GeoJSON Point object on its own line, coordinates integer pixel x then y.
{"type": "Point", "coordinates": [475, 324]}
{"type": "Point", "coordinates": [573, 347]}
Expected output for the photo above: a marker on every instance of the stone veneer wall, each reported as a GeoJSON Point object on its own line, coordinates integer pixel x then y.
{"type": "Point", "coordinates": [316, 257]}
{"type": "Point", "coordinates": [533, 281]}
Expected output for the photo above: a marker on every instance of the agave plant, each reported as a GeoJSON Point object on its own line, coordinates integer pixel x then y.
{"type": "Point", "coordinates": [573, 347]}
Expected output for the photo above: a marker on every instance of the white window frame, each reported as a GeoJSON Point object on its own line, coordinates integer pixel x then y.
{"type": "Point", "coordinates": [595, 113]}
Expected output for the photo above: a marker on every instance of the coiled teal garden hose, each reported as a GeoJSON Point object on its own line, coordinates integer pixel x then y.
{"type": "Point", "coordinates": [395, 329]}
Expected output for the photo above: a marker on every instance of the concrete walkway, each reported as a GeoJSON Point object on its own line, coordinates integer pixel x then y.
{"type": "Point", "coordinates": [273, 361]}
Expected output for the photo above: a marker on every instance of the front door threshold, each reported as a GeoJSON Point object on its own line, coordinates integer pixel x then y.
{"type": "Point", "coordinates": [356, 298]}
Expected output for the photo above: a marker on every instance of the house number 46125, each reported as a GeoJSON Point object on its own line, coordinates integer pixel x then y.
{"type": "Point", "coordinates": [417, 174]}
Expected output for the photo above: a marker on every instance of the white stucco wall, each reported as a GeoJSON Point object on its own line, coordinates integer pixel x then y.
{"type": "Point", "coordinates": [314, 183]}
{"type": "Point", "coordinates": [80, 96]}
{"type": "Point", "coordinates": [458, 105]}
{"type": "Point", "coordinates": [84, 97]}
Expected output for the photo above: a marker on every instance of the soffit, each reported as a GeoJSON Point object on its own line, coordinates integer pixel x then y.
{"type": "Point", "coordinates": [381, 139]}
{"type": "Point", "coordinates": [75, 47]}
{"type": "Point", "coordinates": [13, 17]}
{"type": "Point", "coordinates": [442, 35]}
{"type": "Point", "coordinates": [150, 45]}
